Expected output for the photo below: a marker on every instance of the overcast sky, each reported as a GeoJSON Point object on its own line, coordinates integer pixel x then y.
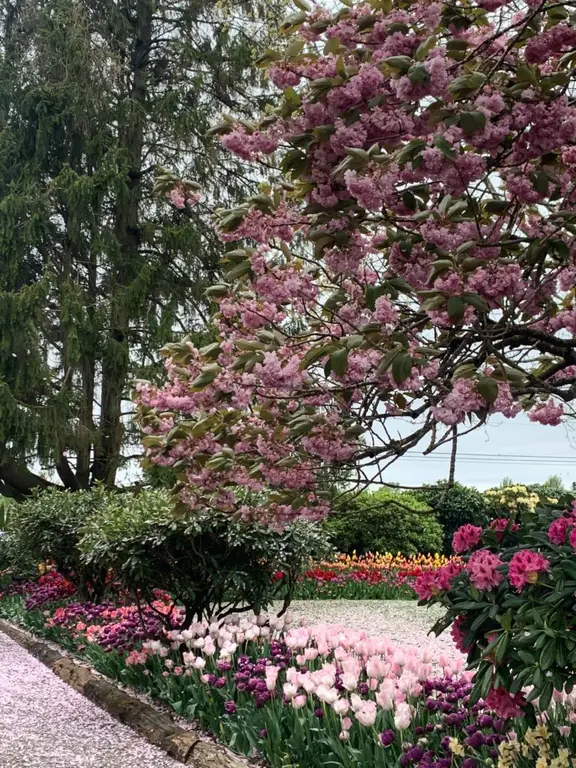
{"type": "Point", "coordinates": [515, 448]}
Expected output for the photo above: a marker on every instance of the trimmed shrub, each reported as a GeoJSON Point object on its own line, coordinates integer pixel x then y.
{"type": "Point", "coordinates": [48, 526]}
{"type": "Point", "coordinates": [454, 507]}
{"type": "Point", "coordinates": [210, 564]}
{"type": "Point", "coordinates": [385, 521]}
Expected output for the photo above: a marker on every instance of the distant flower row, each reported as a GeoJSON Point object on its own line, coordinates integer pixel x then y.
{"type": "Point", "coordinates": [371, 576]}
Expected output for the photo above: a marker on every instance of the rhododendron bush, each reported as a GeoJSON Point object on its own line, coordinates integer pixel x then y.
{"type": "Point", "coordinates": [412, 259]}
{"type": "Point", "coordinates": [511, 605]}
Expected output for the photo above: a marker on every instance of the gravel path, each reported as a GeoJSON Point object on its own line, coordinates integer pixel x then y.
{"type": "Point", "coordinates": [403, 621]}
{"type": "Point", "coordinates": [46, 724]}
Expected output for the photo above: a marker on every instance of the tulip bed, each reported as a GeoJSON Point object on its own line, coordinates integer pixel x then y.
{"type": "Point", "coordinates": [298, 695]}
{"type": "Point", "coordinates": [368, 577]}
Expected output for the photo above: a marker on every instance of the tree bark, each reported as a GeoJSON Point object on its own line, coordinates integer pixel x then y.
{"type": "Point", "coordinates": [116, 363]}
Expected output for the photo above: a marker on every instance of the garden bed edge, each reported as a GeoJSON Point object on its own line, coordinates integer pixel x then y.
{"type": "Point", "coordinates": [156, 727]}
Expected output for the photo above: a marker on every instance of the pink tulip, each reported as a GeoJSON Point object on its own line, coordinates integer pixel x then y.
{"type": "Point", "coordinates": [349, 681]}
{"type": "Point", "coordinates": [403, 717]}
{"type": "Point", "coordinates": [289, 690]}
{"type": "Point", "coordinates": [346, 723]}
{"type": "Point", "coordinates": [385, 701]}
{"type": "Point", "coordinates": [299, 701]}
{"type": "Point", "coordinates": [328, 695]}
{"type": "Point", "coordinates": [367, 715]}
{"type": "Point", "coordinates": [344, 735]}
{"type": "Point", "coordinates": [341, 707]}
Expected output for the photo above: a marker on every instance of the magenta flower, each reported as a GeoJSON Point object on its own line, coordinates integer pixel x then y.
{"type": "Point", "coordinates": [426, 585]}
{"type": "Point", "coordinates": [500, 524]}
{"type": "Point", "coordinates": [505, 704]}
{"type": "Point", "coordinates": [458, 634]}
{"type": "Point", "coordinates": [558, 530]}
{"type": "Point", "coordinates": [466, 537]}
{"type": "Point", "coordinates": [525, 567]}
{"type": "Point", "coordinates": [483, 568]}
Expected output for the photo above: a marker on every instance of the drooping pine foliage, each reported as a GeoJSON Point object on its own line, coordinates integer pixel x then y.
{"type": "Point", "coordinates": [95, 273]}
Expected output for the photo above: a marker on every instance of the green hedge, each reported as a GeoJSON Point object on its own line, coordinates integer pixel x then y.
{"type": "Point", "coordinates": [385, 521]}
{"type": "Point", "coordinates": [455, 506]}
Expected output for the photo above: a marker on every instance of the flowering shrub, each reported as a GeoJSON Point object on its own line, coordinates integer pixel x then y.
{"type": "Point", "coordinates": [308, 695]}
{"type": "Point", "coordinates": [512, 605]}
{"type": "Point", "coordinates": [413, 258]}
{"type": "Point", "coordinates": [373, 576]}
{"type": "Point", "coordinates": [511, 499]}
{"type": "Point", "coordinates": [454, 506]}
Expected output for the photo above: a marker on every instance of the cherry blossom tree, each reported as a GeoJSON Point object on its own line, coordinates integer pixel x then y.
{"type": "Point", "coordinates": [412, 258]}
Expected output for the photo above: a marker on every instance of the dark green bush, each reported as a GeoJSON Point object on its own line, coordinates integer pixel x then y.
{"type": "Point", "coordinates": [455, 506]}
{"type": "Point", "coordinates": [385, 521]}
{"type": "Point", "coordinates": [211, 564]}
{"type": "Point", "coordinates": [47, 527]}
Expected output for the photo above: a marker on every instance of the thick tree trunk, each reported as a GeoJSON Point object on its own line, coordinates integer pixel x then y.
{"type": "Point", "coordinates": [116, 363]}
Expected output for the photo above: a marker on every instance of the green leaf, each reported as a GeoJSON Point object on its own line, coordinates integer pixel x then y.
{"type": "Point", "coordinates": [424, 48]}
{"type": "Point", "coordinates": [418, 74]}
{"type": "Point", "coordinates": [548, 655]}
{"type": "Point", "coordinates": [314, 354]}
{"type": "Point", "coordinates": [476, 301]}
{"type": "Point", "coordinates": [470, 122]}
{"type": "Point", "coordinates": [401, 63]}
{"type": "Point", "coordinates": [339, 361]}
{"type": "Point", "coordinates": [488, 388]}
{"type": "Point", "coordinates": [456, 308]}
{"type": "Point", "coordinates": [496, 206]}
{"type": "Point", "coordinates": [445, 147]}
{"type": "Point", "coordinates": [401, 367]}
{"type": "Point", "coordinates": [546, 696]}
{"type": "Point", "coordinates": [540, 182]}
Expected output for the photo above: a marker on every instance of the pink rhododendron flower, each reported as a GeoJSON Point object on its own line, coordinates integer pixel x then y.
{"type": "Point", "coordinates": [501, 524]}
{"type": "Point", "coordinates": [426, 586]}
{"type": "Point", "coordinates": [483, 568]}
{"type": "Point", "coordinates": [466, 537]}
{"type": "Point", "coordinates": [458, 634]}
{"type": "Point", "coordinates": [559, 528]}
{"type": "Point", "coordinates": [525, 568]}
{"type": "Point", "coordinates": [505, 704]}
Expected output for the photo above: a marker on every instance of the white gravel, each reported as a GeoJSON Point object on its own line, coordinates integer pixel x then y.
{"type": "Point", "coordinates": [403, 621]}
{"type": "Point", "coordinates": [46, 724]}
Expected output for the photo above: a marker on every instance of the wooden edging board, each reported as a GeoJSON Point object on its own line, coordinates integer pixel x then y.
{"type": "Point", "coordinates": [158, 728]}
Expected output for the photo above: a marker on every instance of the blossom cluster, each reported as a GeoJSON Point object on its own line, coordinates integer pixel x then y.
{"type": "Point", "coordinates": [415, 257]}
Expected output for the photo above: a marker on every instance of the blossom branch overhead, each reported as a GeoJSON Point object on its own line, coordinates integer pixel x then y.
{"type": "Point", "coordinates": [414, 259]}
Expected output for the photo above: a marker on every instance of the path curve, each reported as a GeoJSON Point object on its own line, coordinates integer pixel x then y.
{"type": "Point", "coordinates": [46, 724]}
